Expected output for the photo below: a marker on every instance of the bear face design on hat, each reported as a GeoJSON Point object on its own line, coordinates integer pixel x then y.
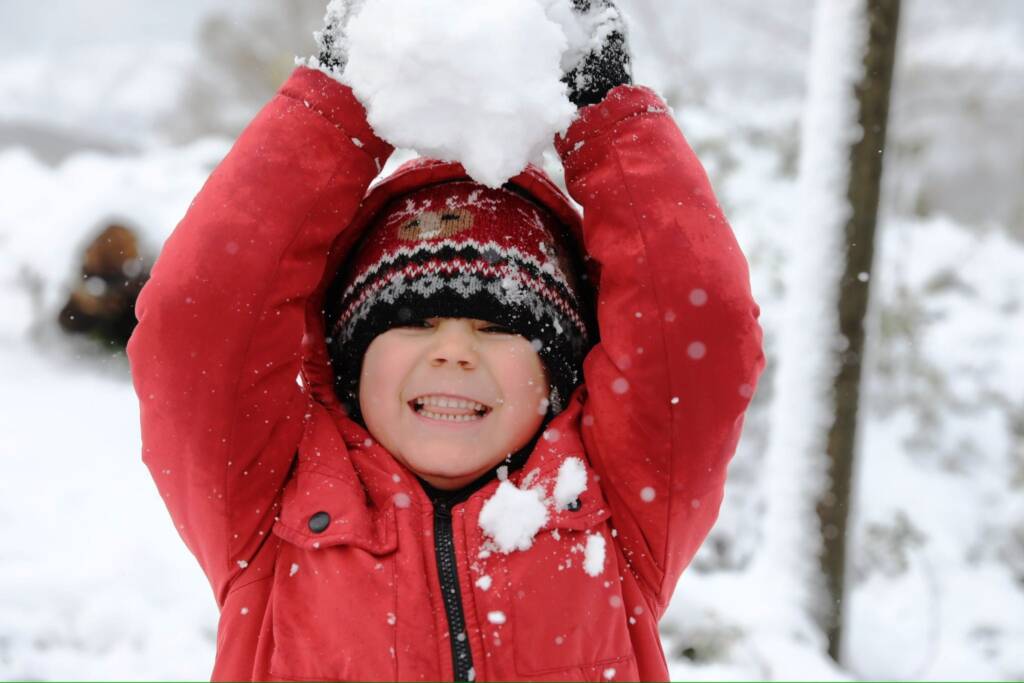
{"type": "Point", "coordinates": [436, 224]}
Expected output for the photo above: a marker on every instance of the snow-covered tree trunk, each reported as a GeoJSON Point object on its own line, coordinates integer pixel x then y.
{"type": "Point", "coordinates": [808, 340]}
{"type": "Point", "coordinates": [864, 184]}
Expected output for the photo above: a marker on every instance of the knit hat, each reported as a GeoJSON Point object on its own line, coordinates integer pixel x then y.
{"type": "Point", "coordinates": [462, 250]}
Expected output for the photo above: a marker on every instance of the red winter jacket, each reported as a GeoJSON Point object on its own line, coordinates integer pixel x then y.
{"type": "Point", "coordinates": [245, 455]}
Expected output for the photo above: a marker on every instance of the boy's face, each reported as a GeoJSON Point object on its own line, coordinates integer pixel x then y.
{"type": "Point", "coordinates": [451, 397]}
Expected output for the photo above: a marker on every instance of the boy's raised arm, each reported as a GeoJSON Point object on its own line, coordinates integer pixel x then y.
{"type": "Point", "coordinates": [680, 348]}
{"type": "Point", "coordinates": [217, 350]}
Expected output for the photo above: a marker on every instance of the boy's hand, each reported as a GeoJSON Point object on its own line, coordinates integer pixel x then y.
{"type": "Point", "coordinates": [333, 41]}
{"type": "Point", "coordinates": [608, 64]}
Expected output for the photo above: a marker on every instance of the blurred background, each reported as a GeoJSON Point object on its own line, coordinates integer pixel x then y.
{"type": "Point", "coordinates": [112, 114]}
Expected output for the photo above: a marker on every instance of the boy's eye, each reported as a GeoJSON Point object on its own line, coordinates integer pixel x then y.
{"type": "Point", "coordinates": [426, 324]}
{"type": "Point", "coordinates": [416, 324]}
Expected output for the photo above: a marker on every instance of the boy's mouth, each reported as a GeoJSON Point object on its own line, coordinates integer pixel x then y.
{"type": "Point", "coordinates": [447, 408]}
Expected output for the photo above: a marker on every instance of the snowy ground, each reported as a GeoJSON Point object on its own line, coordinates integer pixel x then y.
{"type": "Point", "coordinates": [93, 580]}
{"type": "Point", "coordinates": [95, 584]}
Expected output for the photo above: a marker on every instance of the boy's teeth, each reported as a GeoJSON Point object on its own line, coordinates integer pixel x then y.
{"type": "Point", "coordinates": [443, 402]}
{"type": "Point", "coordinates": [449, 418]}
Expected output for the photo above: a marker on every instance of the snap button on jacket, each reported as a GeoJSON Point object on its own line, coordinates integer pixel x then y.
{"type": "Point", "coordinates": [319, 521]}
{"type": "Point", "coordinates": [319, 545]}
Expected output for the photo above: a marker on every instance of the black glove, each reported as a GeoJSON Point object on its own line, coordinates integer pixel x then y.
{"type": "Point", "coordinates": [606, 67]}
{"type": "Point", "coordinates": [333, 41]}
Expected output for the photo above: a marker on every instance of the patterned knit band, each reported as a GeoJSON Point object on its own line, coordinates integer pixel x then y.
{"type": "Point", "coordinates": [462, 250]}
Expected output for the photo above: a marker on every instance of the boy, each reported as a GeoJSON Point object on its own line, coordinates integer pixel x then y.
{"type": "Point", "coordinates": [438, 497]}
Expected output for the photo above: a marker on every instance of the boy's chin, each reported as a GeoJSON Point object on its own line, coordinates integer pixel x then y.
{"type": "Point", "coordinates": [438, 474]}
{"type": "Point", "coordinates": [447, 483]}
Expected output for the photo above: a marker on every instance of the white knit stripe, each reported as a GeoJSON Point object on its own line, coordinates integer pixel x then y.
{"type": "Point", "coordinates": [508, 253]}
{"type": "Point", "coordinates": [474, 269]}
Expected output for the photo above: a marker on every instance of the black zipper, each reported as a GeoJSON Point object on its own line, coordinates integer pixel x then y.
{"type": "Point", "coordinates": [444, 548]}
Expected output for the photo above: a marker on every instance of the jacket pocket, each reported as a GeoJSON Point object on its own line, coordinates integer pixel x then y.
{"type": "Point", "coordinates": [567, 600]}
{"type": "Point", "coordinates": [334, 600]}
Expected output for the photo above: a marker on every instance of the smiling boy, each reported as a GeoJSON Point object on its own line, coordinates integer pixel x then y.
{"type": "Point", "coordinates": [457, 328]}
{"type": "Point", "coordinates": [452, 397]}
{"type": "Point", "coordinates": [511, 426]}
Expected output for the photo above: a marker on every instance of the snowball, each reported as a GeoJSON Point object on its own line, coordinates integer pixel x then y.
{"type": "Point", "coordinates": [698, 297]}
{"type": "Point", "coordinates": [496, 617]}
{"type": "Point", "coordinates": [513, 516]}
{"type": "Point", "coordinates": [294, 569]}
{"type": "Point", "coordinates": [609, 674]}
{"type": "Point", "coordinates": [696, 350]}
{"type": "Point", "coordinates": [571, 482]}
{"type": "Point", "coordinates": [401, 500]}
{"type": "Point", "coordinates": [620, 385]}
{"type": "Point", "coordinates": [484, 583]}
{"type": "Point", "coordinates": [593, 555]}
{"type": "Point", "coordinates": [242, 564]}
{"type": "Point", "coordinates": [647, 494]}
{"type": "Point", "coordinates": [475, 82]}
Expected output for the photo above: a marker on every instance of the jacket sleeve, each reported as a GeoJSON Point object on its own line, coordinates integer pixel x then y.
{"type": "Point", "coordinates": [216, 353]}
{"type": "Point", "coordinates": [680, 347]}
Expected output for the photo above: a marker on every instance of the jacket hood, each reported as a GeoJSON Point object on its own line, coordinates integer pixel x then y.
{"type": "Point", "coordinates": [317, 374]}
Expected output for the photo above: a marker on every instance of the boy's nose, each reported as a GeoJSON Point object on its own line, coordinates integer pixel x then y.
{"type": "Point", "coordinates": [455, 345]}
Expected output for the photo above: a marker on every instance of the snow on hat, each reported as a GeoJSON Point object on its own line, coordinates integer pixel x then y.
{"type": "Point", "coordinates": [463, 250]}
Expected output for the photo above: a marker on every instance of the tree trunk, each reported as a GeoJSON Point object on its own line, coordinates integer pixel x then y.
{"type": "Point", "coordinates": [866, 156]}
